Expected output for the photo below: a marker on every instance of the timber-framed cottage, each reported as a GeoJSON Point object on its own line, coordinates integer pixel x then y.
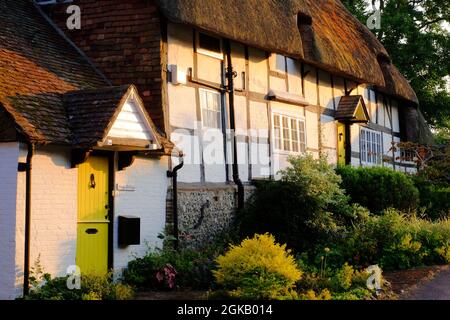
{"type": "Point", "coordinates": [159, 114]}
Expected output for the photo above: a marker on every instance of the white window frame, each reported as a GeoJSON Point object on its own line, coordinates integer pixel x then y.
{"type": "Point", "coordinates": [219, 99]}
{"type": "Point", "coordinates": [301, 145]}
{"type": "Point", "coordinates": [213, 54]}
{"type": "Point", "coordinates": [371, 150]}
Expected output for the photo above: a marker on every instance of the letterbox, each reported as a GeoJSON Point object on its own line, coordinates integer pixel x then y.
{"type": "Point", "coordinates": [129, 230]}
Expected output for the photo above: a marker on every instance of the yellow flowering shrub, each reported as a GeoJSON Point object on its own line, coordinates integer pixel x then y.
{"type": "Point", "coordinates": [444, 252]}
{"type": "Point", "coordinates": [258, 268]}
{"type": "Point", "coordinates": [311, 295]}
{"type": "Point", "coordinates": [344, 276]}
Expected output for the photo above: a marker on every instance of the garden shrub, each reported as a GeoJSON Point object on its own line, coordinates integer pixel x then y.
{"type": "Point", "coordinates": [331, 283]}
{"type": "Point", "coordinates": [305, 208]}
{"type": "Point", "coordinates": [187, 268]}
{"type": "Point", "coordinates": [258, 268]}
{"type": "Point", "coordinates": [312, 295]}
{"type": "Point", "coordinates": [378, 188]}
{"type": "Point", "coordinates": [343, 277]}
{"type": "Point", "coordinates": [434, 197]}
{"type": "Point", "coordinates": [169, 269]}
{"type": "Point", "coordinates": [394, 240]}
{"type": "Point", "coordinates": [93, 287]}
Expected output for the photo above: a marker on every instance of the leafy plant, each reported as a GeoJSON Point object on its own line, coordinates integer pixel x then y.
{"type": "Point", "coordinates": [171, 269]}
{"type": "Point", "coordinates": [167, 276]}
{"type": "Point", "coordinates": [393, 240]}
{"type": "Point", "coordinates": [378, 188]}
{"type": "Point", "coordinates": [434, 197]}
{"type": "Point", "coordinates": [93, 287]}
{"type": "Point", "coordinates": [305, 208]}
{"type": "Point", "coordinates": [344, 283]}
{"type": "Point", "coordinates": [258, 268]}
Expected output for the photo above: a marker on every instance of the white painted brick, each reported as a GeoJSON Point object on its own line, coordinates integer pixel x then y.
{"type": "Point", "coordinates": [148, 202]}
{"type": "Point", "coordinates": [54, 213]}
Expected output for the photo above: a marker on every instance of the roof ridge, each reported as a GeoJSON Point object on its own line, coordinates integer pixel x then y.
{"type": "Point", "coordinates": [100, 89]}
{"type": "Point", "coordinates": [70, 42]}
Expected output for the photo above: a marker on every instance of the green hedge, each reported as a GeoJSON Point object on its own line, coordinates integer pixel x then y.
{"type": "Point", "coordinates": [434, 198]}
{"type": "Point", "coordinates": [378, 188]}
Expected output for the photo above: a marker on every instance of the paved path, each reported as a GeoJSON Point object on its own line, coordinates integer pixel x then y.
{"type": "Point", "coordinates": [435, 289]}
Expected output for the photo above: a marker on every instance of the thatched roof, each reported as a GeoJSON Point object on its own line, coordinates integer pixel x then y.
{"type": "Point", "coordinates": [263, 24]}
{"type": "Point", "coordinates": [341, 43]}
{"type": "Point", "coordinates": [328, 37]}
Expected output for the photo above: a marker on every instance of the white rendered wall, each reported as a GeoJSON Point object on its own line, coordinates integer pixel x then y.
{"type": "Point", "coordinates": [148, 178]}
{"type": "Point", "coordinates": [53, 213]}
{"type": "Point", "coordinates": [259, 135]}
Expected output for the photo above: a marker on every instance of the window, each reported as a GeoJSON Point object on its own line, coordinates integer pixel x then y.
{"type": "Point", "coordinates": [370, 147]}
{"type": "Point", "coordinates": [289, 134]}
{"type": "Point", "coordinates": [210, 104]}
{"type": "Point", "coordinates": [278, 63]}
{"type": "Point", "coordinates": [210, 46]}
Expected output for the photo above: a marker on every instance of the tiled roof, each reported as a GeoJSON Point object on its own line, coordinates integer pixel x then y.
{"type": "Point", "coordinates": [92, 112]}
{"type": "Point", "coordinates": [347, 107]}
{"type": "Point", "coordinates": [49, 88]}
{"type": "Point", "coordinates": [38, 65]}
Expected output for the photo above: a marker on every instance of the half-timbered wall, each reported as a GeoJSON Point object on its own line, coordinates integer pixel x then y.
{"type": "Point", "coordinates": [257, 72]}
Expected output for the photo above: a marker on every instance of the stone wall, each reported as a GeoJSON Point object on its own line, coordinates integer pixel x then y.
{"type": "Point", "coordinates": [204, 211]}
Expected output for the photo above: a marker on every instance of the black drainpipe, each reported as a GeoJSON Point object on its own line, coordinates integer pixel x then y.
{"type": "Point", "coordinates": [230, 77]}
{"type": "Point", "coordinates": [26, 267]}
{"type": "Point", "coordinates": [174, 175]}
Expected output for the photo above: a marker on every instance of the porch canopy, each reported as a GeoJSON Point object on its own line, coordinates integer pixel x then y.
{"type": "Point", "coordinates": [111, 118]}
{"type": "Point", "coordinates": [352, 109]}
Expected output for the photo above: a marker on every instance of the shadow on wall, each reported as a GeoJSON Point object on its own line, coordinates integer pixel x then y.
{"type": "Point", "coordinates": [55, 262]}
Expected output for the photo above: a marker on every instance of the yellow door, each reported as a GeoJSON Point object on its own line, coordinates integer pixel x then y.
{"type": "Point", "coordinates": [93, 220]}
{"type": "Point", "coordinates": [341, 143]}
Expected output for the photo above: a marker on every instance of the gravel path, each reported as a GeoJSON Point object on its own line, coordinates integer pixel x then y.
{"type": "Point", "coordinates": [436, 289]}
